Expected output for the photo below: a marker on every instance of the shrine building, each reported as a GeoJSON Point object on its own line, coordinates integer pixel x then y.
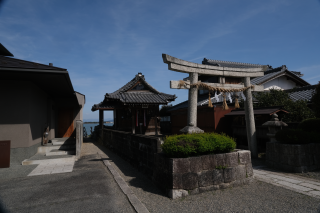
{"type": "Point", "coordinates": [135, 107]}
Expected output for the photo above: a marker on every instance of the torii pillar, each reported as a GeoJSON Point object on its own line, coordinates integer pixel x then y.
{"type": "Point", "coordinates": [194, 69]}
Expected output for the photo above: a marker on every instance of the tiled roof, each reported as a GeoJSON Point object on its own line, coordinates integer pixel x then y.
{"type": "Point", "coordinates": [6, 62]}
{"type": "Point", "coordinates": [230, 64]}
{"type": "Point", "coordinates": [270, 74]}
{"type": "Point", "coordinates": [150, 96]}
{"type": "Point", "coordinates": [302, 93]}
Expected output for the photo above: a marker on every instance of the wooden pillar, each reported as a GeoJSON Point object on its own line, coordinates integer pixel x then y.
{"type": "Point", "coordinates": [101, 119]}
{"type": "Point", "coordinates": [115, 118]}
{"type": "Point", "coordinates": [250, 123]}
{"type": "Point", "coordinates": [133, 123]}
{"type": "Point", "coordinates": [156, 126]}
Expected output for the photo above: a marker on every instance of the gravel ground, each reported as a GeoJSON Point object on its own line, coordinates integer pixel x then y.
{"type": "Point", "coordinates": [257, 197]}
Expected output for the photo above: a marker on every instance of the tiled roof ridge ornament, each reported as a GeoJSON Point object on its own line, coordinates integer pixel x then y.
{"type": "Point", "coordinates": [139, 75]}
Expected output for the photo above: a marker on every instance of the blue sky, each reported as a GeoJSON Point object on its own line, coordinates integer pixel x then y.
{"type": "Point", "coordinates": [104, 44]}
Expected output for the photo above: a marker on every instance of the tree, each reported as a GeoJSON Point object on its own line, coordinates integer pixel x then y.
{"type": "Point", "coordinates": [316, 101]}
{"type": "Point", "coordinates": [164, 110]}
{"type": "Point", "coordinates": [298, 110]}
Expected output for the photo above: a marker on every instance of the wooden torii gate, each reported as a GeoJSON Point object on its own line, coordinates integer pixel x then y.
{"type": "Point", "coordinates": [194, 69]}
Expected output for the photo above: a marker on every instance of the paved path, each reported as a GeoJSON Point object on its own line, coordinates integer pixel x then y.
{"type": "Point", "coordinates": [53, 166]}
{"type": "Point", "coordinates": [90, 187]}
{"type": "Point", "coordinates": [289, 181]}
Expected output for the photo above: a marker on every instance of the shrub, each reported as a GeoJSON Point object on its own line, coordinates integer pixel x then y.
{"type": "Point", "coordinates": [297, 136]}
{"type": "Point", "coordinates": [316, 101]}
{"type": "Point", "coordinates": [310, 125]}
{"type": "Point", "coordinates": [197, 144]}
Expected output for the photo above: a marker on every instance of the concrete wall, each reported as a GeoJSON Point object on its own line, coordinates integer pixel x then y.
{"type": "Point", "coordinates": [24, 113]}
{"type": "Point", "coordinates": [14, 113]}
{"type": "Point", "coordinates": [38, 113]}
{"type": "Point", "coordinates": [281, 82]}
{"type": "Point", "coordinates": [81, 100]}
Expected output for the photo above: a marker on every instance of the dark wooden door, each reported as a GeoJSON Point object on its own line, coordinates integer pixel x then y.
{"type": "Point", "coordinates": [65, 122]}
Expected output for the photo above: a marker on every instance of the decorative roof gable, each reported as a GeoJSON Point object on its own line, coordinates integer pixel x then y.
{"type": "Point", "coordinates": [136, 91]}
{"type": "Point", "coordinates": [278, 72]}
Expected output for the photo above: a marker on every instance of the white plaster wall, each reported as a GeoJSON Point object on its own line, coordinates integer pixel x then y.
{"type": "Point", "coordinates": [281, 82]}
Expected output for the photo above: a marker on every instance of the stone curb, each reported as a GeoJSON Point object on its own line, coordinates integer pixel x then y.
{"type": "Point", "coordinates": [135, 202]}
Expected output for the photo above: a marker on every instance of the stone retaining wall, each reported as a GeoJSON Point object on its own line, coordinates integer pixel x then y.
{"type": "Point", "coordinates": [293, 158]}
{"type": "Point", "coordinates": [137, 149]}
{"type": "Point", "coordinates": [183, 176]}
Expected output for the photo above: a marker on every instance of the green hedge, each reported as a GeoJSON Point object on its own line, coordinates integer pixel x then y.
{"type": "Point", "coordinates": [179, 146]}
{"type": "Point", "coordinates": [310, 125]}
{"type": "Point", "coordinates": [297, 136]}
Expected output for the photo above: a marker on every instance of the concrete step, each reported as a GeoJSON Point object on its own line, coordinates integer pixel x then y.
{"type": "Point", "coordinates": [44, 161]}
{"type": "Point", "coordinates": [58, 152]}
{"type": "Point", "coordinates": [57, 143]}
{"type": "Point", "coordinates": [46, 149]}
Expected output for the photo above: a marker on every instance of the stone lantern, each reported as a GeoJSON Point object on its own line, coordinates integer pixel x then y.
{"type": "Point", "coordinates": [274, 125]}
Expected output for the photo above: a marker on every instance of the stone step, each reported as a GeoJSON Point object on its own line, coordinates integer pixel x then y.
{"type": "Point", "coordinates": [59, 160]}
{"type": "Point", "coordinates": [58, 152]}
{"type": "Point", "coordinates": [46, 149]}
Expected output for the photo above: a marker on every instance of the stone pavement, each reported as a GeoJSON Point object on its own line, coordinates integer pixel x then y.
{"type": "Point", "coordinates": [289, 181]}
{"type": "Point", "coordinates": [53, 166]}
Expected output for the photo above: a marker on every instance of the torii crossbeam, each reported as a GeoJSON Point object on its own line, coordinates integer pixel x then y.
{"type": "Point", "coordinates": [195, 69]}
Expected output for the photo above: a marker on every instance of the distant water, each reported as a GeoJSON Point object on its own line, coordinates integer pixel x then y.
{"type": "Point", "coordinates": [87, 126]}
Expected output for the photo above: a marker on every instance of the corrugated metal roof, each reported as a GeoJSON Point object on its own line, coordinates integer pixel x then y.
{"type": "Point", "coordinates": [6, 62]}
{"type": "Point", "coordinates": [258, 111]}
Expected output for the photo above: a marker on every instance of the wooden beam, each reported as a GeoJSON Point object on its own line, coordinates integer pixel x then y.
{"type": "Point", "coordinates": [169, 59]}
{"type": "Point", "coordinates": [233, 73]}
{"type": "Point", "coordinates": [257, 88]}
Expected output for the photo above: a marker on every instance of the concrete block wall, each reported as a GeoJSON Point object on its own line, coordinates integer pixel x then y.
{"type": "Point", "coordinates": [180, 177]}
{"type": "Point", "coordinates": [293, 158]}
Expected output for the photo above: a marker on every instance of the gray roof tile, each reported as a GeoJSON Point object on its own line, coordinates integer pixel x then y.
{"type": "Point", "coordinates": [152, 96]}
{"type": "Point", "coordinates": [230, 64]}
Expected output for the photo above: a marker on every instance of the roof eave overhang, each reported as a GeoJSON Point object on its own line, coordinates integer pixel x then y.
{"type": "Point", "coordinates": [53, 89]}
